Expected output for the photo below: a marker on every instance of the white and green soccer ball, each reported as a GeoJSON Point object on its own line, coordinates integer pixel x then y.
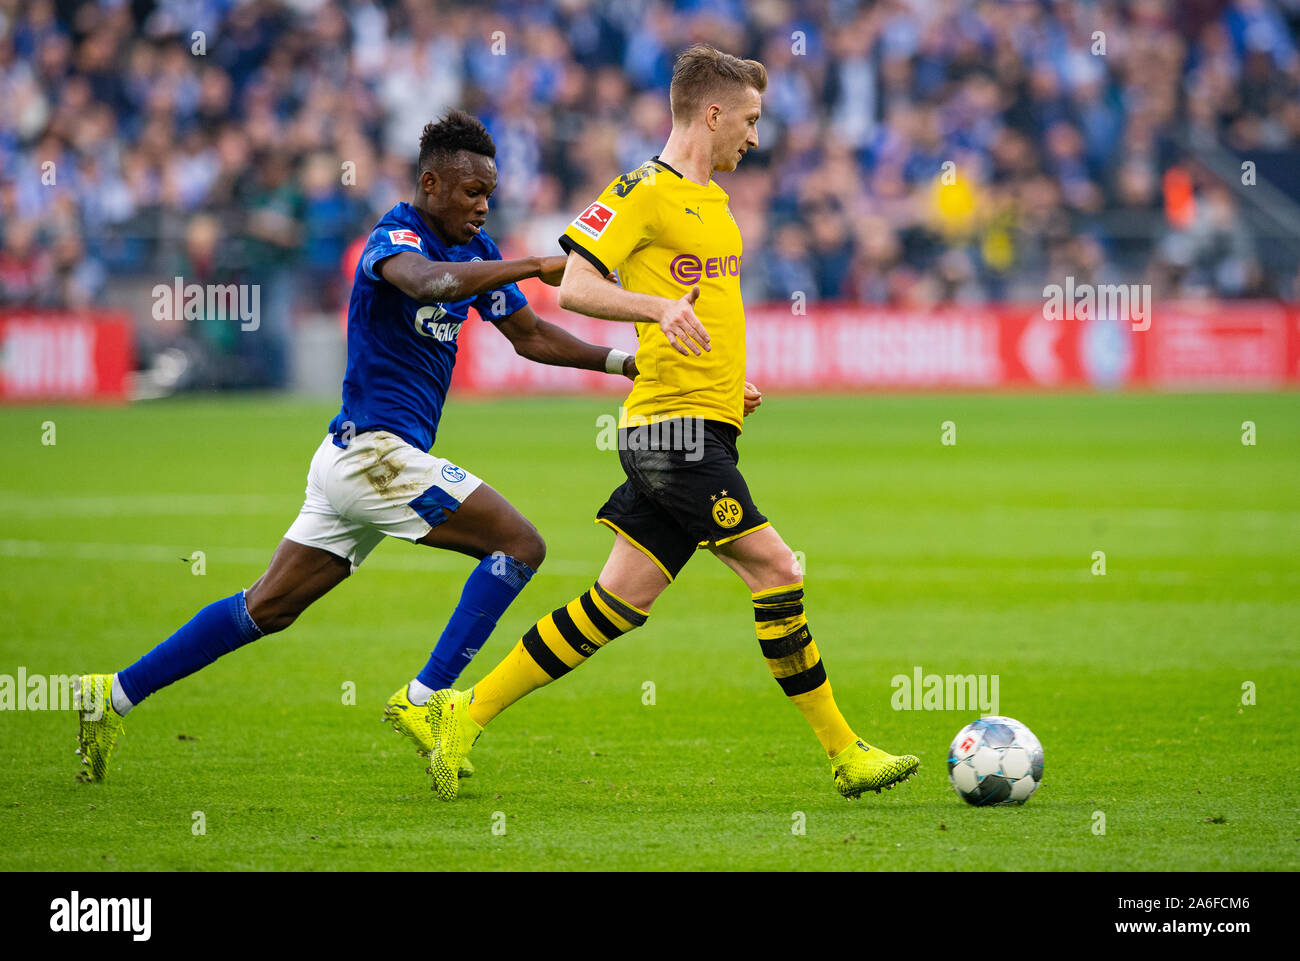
{"type": "Point", "coordinates": [995, 760]}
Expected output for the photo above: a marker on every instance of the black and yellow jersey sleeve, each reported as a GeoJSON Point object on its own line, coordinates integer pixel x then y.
{"type": "Point", "coordinates": [621, 221]}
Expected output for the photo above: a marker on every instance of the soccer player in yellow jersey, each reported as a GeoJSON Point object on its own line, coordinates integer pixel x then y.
{"type": "Point", "coordinates": [668, 232]}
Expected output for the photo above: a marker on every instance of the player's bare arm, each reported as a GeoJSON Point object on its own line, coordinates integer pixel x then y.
{"type": "Point", "coordinates": [545, 343]}
{"type": "Point", "coordinates": [584, 291]}
{"type": "Point", "coordinates": [433, 282]}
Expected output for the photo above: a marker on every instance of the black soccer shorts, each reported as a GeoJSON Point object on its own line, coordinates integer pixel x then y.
{"type": "Point", "coordinates": [683, 490]}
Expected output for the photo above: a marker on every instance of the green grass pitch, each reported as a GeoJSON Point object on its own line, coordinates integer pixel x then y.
{"type": "Point", "coordinates": [971, 558]}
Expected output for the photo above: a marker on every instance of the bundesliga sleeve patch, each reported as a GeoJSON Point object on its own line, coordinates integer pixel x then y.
{"type": "Point", "coordinates": [594, 220]}
{"type": "Point", "coordinates": [408, 237]}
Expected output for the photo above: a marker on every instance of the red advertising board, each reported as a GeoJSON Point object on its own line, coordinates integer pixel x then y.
{"type": "Point", "coordinates": [1217, 346]}
{"type": "Point", "coordinates": [1212, 345]}
{"type": "Point", "coordinates": [64, 355]}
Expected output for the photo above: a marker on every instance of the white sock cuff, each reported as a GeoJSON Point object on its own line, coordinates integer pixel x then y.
{"type": "Point", "coordinates": [417, 693]}
{"type": "Point", "coordinates": [121, 703]}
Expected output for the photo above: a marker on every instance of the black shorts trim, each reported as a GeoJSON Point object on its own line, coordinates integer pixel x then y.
{"type": "Point", "coordinates": [641, 547]}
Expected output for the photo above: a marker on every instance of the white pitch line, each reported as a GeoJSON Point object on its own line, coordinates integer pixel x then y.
{"type": "Point", "coordinates": [137, 505]}
{"type": "Point", "coordinates": [1152, 516]}
{"type": "Point", "coordinates": [424, 560]}
{"type": "Point", "coordinates": [212, 505]}
{"type": "Point", "coordinates": [440, 561]}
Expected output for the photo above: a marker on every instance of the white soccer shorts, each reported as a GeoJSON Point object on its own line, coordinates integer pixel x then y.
{"type": "Point", "coordinates": [380, 485]}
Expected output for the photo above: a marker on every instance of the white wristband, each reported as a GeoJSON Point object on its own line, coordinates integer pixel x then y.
{"type": "Point", "coordinates": [615, 359]}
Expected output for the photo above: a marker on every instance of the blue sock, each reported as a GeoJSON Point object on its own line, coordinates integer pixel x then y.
{"type": "Point", "coordinates": [217, 629]}
{"type": "Point", "coordinates": [491, 587]}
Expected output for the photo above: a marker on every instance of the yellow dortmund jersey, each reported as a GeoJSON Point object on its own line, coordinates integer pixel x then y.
{"type": "Point", "coordinates": [664, 234]}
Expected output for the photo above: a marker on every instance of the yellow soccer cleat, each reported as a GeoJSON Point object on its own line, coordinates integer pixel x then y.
{"type": "Point", "coordinates": [455, 733]}
{"type": "Point", "coordinates": [98, 724]}
{"type": "Point", "coordinates": [861, 767]}
{"type": "Point", "coordinates": [418, 723]}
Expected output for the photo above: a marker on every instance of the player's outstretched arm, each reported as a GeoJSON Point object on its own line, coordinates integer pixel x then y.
{"type": "Point", "coordinates": [432, 282]}
{"type": "Point", "coordinates": [545, 343]}
{"type": "Point", "coordinates": [585, 291]}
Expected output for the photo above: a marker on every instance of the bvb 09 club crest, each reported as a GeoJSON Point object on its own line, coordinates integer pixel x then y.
{"type": "Point", "coordinates": [727, 511]}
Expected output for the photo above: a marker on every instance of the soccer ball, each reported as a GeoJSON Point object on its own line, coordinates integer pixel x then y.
{"type": "Point", "coordinates": [995, 760]}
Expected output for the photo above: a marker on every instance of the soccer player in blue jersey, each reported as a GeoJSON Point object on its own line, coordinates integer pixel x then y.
{"type": "Point", "coordinates": [424, 265]}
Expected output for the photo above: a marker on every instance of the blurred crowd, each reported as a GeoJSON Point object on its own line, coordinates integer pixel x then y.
{"type": "Point", "coordinates": [913, 151]}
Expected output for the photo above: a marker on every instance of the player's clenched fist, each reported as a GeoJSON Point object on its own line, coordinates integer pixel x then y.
{"type": "Point", "coordinates": [551, 269]}
{"type": "Point", "coordinates": [680, 325]}
{"type": "Point", "coordinates": [753, 397]}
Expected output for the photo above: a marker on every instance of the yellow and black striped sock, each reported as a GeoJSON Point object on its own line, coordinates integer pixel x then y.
{"type": "Point", "coordinates": [793, 658]}
{"type": "Point", "coordinates": [554, 646]}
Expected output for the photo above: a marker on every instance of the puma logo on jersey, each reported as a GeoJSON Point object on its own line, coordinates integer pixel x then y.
{"type": "Point", "coordinates": [623, 186]}
{"type": "Point", "coordinates": [695, 213]}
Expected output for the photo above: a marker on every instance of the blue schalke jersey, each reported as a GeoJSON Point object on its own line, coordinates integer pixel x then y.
{"type": "Point", "coordinates": [401, 351]}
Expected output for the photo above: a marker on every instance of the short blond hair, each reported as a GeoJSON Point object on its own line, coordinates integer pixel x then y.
{"type": "Point", "coordinates": [703, 72]}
